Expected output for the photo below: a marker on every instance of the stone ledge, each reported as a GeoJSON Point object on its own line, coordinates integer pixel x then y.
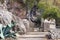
{"type": "Point", "coordinates": [37, 33]}
{"type": "Point", "coordinates": [34, 35]}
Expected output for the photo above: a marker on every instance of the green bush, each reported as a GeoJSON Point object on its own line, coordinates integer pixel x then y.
{"type": "Point", "coordinates": [52, 12]}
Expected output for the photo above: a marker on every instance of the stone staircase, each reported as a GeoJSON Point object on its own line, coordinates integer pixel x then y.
{"type": "Point", "coordinates": [33, 36]}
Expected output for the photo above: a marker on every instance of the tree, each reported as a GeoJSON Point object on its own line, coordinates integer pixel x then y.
{"type": "Point", "coordinates": [51, 13]}
{"type": "Point", "coordinates": [42, 7]}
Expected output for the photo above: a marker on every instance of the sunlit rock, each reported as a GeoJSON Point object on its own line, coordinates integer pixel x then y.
{"type": "Point", "coordinates": [26, 23]}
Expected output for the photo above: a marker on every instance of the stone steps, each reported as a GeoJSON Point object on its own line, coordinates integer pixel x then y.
{"type": "Point", "coordinates": [33, 36]}
{"type": "Point", "coordinates": [31, 39]}
{"type": "Point", "coordinates": [36, 33]}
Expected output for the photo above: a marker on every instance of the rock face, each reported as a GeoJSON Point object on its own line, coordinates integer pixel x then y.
{"type": "Point", "coordinates": [26, 23]}
{"type": "Point", "coordinates": [7, 17]}
{"type": "Point", "coordinates": [46, 25]}
{"type": "Point", "coordinates": [49, 24]}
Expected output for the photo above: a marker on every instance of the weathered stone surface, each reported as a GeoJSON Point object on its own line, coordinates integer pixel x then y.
{"type": "Point", "coordinates": [33, 36]}
{"type": "Point", "coordinates": [32, 39]}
